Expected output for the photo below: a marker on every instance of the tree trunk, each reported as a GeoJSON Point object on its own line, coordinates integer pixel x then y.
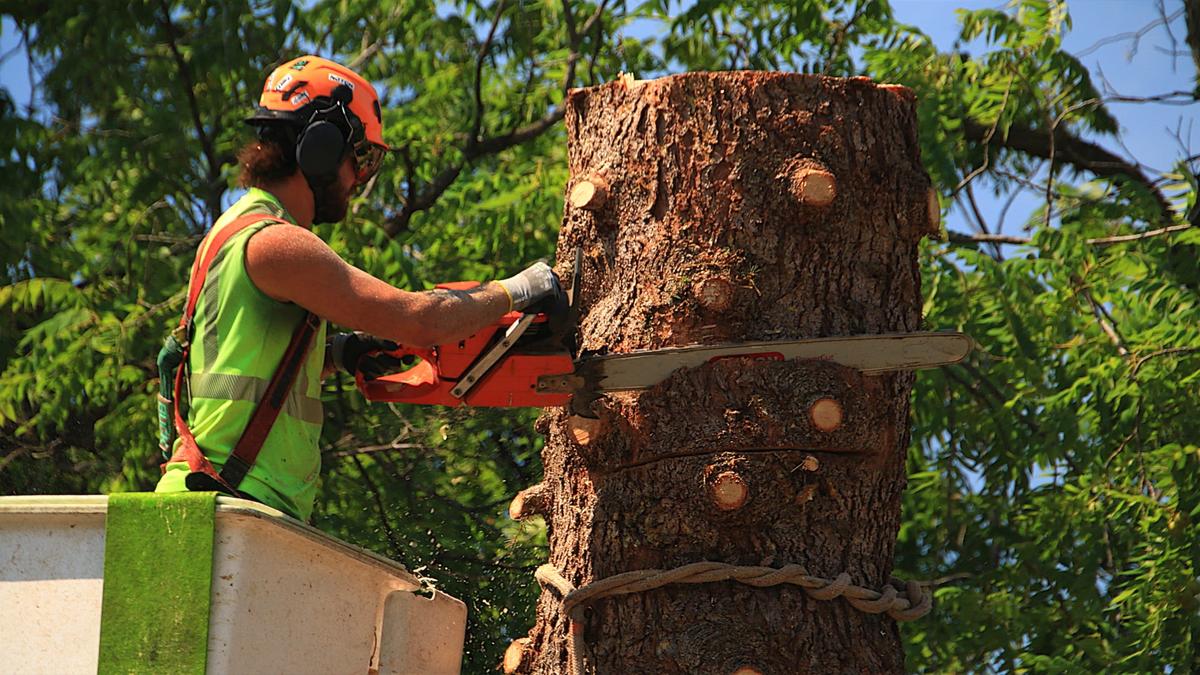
{"type": "Point", "coordinates": [714, 208]}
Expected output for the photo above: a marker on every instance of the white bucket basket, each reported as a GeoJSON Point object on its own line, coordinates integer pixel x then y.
{"type": "Point", "coordinates": [285, 597]}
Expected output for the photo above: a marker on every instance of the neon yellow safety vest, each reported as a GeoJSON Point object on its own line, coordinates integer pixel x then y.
{"type": "Point", "coordinates": [239, 339]}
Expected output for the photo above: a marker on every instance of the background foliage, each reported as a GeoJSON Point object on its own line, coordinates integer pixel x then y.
{"type": "Point", "coordinates": [1053, 486]}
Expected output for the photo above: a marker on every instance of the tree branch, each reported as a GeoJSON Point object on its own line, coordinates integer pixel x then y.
{"type": "Point", "coordinates": [955, 237]}
{"type": "Point", "coordinates": [369, 50]}
{"type": "Point", "coordinates": [835, 42]}
{"type": "Point", "coordinates": [528, 132]}
{"type": "Point", "coordinates": [587, 25]}
{"type": "Point", "coordinates": [372, 449]}
{"type": "Point", "coordinates": [475, 148]}
{"type": "Point", "coordinates": [987, 140]}
{"type": "Point", "coordinates": [1170, 97]}
{"type": "Point", "coordinates": [1105, 320]}
{"type": "Point", "coordinates": [976, 392]}
{"type": "Point", "coordinates": [1161, 352]}
{"type": "Point", "coordinates": [12, 455]}
{"type": "Point", "coordinates": [1069, 149]}
{"type": "Point", "coordinates": [213, 203]}
{"type": "Point", "coordinates": [1122, 238]}
{"type": "Point", "coordinates": [480, 57]}
{"type": "Point", "coordinates": [1136, 36]}
{"type": "Point", "coordinates": [378, 498]}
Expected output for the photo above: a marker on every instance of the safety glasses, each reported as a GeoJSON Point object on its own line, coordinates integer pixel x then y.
{"type": "Point", "coordinates": [367, 158]}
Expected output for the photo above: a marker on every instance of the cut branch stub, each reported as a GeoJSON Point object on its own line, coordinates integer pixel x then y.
{"type": "Point", "coordinates": [826, 414]}
{"type": "Point", "coordinates": [531, 501]}
{"type": "Point", "coordinates": [585, 430]}
{"type": "Point", "coordinates": [813, 185]}
{"type": "Point", "coordinates": [590, 193]}
{"type": "Point", "coordinates": [746, 670]}
{"type": "Point", "coordinates": [714, 293]}
{"type": "Point", "coordinates": [935, 213]}
{"type": "Point", "coordinates": [518, 656]}
{"type": "Point", "coordinates": [628, 81]}
{"type": "Point", "coordinates": [729, 491]}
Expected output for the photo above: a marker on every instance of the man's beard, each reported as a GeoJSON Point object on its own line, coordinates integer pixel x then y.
{"type": "Point", "coordinates": [330, 201]}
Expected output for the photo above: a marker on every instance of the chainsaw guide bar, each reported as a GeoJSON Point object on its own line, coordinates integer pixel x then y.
{"type": "Point", "coordinates": [869, 354]}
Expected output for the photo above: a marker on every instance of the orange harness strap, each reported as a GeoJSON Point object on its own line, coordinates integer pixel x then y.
{"type": "Point", "coordinates": [203, 475]}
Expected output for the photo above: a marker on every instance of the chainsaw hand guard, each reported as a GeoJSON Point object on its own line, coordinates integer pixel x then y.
{"type": "Point", "coordinates": [418, 380]}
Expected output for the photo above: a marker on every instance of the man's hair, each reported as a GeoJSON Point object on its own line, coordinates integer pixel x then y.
{"type": "Point", "coordinates": [269, 158]}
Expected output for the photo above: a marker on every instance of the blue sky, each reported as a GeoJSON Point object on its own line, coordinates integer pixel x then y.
{"type": "Point", "coordinates": [1148, 131]}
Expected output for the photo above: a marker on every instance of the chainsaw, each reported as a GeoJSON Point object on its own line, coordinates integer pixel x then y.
{"type": "Point", "coordinates": [527, 360]}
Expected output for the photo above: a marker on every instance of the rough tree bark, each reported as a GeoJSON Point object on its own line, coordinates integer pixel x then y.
{"type": "Point", "coordinates": [720, 207]}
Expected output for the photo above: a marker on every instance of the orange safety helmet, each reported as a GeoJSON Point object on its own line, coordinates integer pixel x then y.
{"type": "Point", "coordinates": [309, 92]}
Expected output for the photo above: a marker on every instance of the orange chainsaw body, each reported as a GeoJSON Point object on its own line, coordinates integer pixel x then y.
{"type": "Point", "coordinates": [511, 382]}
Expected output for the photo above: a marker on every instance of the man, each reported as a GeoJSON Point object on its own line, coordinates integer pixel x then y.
{"type": "Point", "coordinates": [319, 137]}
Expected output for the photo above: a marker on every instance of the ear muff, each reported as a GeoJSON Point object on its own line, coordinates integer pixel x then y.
{"type": "Point", "coordinates": [320, 149]}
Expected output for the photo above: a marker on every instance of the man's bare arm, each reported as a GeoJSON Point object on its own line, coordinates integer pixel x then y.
{"type": "Point", "coordinates": [291, 264]}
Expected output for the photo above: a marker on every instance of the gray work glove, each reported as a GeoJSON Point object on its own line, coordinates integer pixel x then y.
{"type": "Point", "coordinates": [356, 353]}
{"type": "Point", "coordinates": [537, 282]}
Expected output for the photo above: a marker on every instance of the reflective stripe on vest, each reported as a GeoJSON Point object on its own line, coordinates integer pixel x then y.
{"type": "Point", "coordinates": [228, 387]}
{"type": "Point", "coordinates": [212, 292]}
